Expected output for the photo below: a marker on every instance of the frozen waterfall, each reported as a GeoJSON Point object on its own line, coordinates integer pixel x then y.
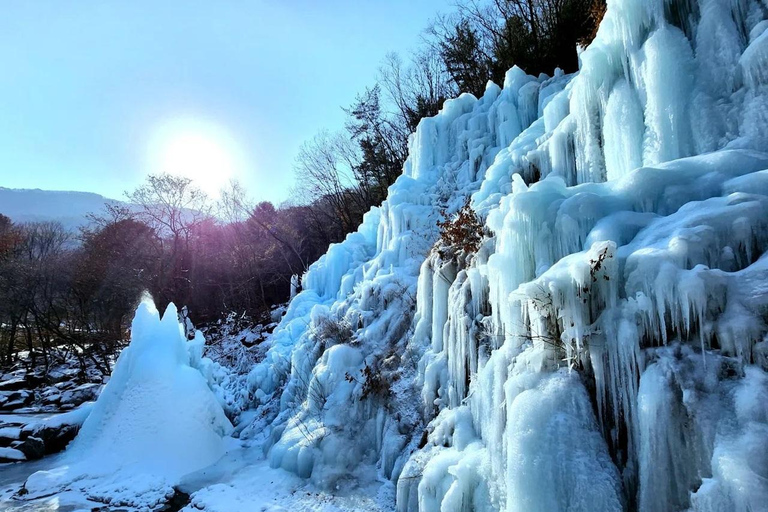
{"type": "Point", "coordinates": [605, 348]}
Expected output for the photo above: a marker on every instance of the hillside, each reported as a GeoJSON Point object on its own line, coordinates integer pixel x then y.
{"type": "Point", "coordinates": [35, 205]}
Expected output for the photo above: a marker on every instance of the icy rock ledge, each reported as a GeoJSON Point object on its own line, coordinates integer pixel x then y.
{"type": "Point", "coordinates": [155, 421]}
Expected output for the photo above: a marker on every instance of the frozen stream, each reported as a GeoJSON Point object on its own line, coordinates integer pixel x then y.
{"type": "Point", "coordinates": [12, 477]}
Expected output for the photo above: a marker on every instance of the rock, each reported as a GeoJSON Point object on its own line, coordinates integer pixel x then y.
{"type": "Point", "coordinates": [33, 380]}
{"type": "Point", "coordinates": [13, 406]}
{"type": "Point", "coordinates": [13, 384]}
{"type": "Point", "coordinates": [67, 384]}
{"type": "Point", "coordinates": [11, 455]}
{"type": "Point", "coordinates": [63, 375]}
{"type": "Point", "coordinates": [176, 502]}
{"type": "Point", "coordinates": [8, 435]}
{"type": "Point", "coordinates": [51, 396]}
{"type": "Point", "coordinates": [55, 438]}
{"type": "Point", "coordinates": [80, 394]}
{"type": "Point", "coordinates": [12, 400]}
{"type": "Point", "coordinates": [33, 448]}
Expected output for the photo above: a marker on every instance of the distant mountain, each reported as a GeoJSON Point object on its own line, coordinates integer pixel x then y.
{"type": "Point", "coordinates": [69, 208]}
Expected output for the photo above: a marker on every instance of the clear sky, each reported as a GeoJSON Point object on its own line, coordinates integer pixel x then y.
{"type": "Point", "coordinates": [96, 94]}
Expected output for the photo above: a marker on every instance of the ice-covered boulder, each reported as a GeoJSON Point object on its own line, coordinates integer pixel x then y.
{"type": "Point", "coordinates": [155, 421]}
{"type": "Point", "coordinates": [83, 393]}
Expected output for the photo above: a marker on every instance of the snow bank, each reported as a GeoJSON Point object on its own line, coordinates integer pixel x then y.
{"type": "Point", "coordinates": [155, 421]}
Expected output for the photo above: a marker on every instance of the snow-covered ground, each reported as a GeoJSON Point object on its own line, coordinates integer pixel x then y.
{"type": "Point", "coordinates": [242, 480]}
{"type": "Point", "coordinates": [604, 349]}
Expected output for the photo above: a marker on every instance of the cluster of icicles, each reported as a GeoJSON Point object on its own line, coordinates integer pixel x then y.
{"type": "Point", "coordinates": [604, 349]}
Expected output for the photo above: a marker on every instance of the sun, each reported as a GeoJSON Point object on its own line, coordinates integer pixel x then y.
{"type": "Point", "coordinates": [203, 152]}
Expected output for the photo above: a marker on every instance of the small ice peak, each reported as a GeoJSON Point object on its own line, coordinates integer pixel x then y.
{"type": "Point", "coordinates": [518, 184]}
{"type": "Point", "coordinates": [147, 301]}
{"type": "Point", "coordinates": [492, 91]}
{"type": "Point", "coordinates": [515, 76]}
{"type": "Point", "coordinates": [162, 335]}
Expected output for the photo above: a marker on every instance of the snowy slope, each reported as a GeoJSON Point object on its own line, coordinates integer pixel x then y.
{"type": "Point", "coordinates": [604, 349]}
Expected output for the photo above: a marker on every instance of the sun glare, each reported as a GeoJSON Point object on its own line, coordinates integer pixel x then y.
{"type": "Point", "coordinates": [205, 153]}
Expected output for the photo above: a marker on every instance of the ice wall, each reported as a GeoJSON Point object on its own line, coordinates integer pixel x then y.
{"type": "Point", "coordinates": [155, 421]}
{"type": "Point", "coordinates": [362, 295]}
{"type": "Point", "coordinates": [605, 348]}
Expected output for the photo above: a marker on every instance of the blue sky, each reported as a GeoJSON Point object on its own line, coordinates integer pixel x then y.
{"type": "Point", "coordinates": [96, 94]}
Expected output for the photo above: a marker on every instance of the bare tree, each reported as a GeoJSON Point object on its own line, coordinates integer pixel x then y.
{"type": "Point", "coordinates": [326, 168]}
{"type": "Point", "coordinates": [415, 89]}
{"type": "Point", "coordinates": [233, 205]}
{"type": "Point", "coordinates": [173, 207]}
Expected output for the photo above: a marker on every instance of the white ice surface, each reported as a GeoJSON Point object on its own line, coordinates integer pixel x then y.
{"type": "Point", "coordinates": [155, 421]}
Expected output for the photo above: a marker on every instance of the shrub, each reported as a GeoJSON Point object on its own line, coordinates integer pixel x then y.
{"type": "Point", "coordinates": [374, 383]}
{"type": "Point", "coordinates": [333, 331]}
{"type": "Point", "coordinates": [596, 15]}
{"type": "Point", "coordinates": [462, 234]}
